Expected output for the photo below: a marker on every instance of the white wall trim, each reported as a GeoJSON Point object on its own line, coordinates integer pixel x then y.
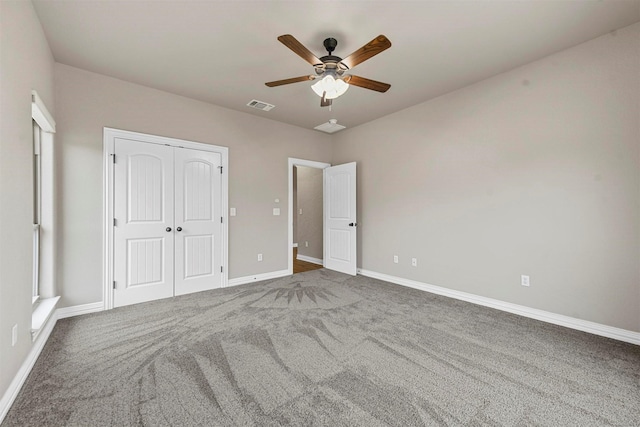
{"type": "Point", "coordinates": [77, 310]}
{"type": "Point", "coordinates": [310, 259]}
{"type": "Point", "coordinates": [41, 115]}
{"type": "Point", "coordinates": [533, 313]}
{"type": "Point", "coordinates": [257, 277]}
{"type": "Point", "coordinates": [297, 162]}
{"type": "Point", "coordinates": [44, 310]}
{"type": "Point", "coordinates": [22, 374]}
{"type": "Point", "coordinates": [109, 136]}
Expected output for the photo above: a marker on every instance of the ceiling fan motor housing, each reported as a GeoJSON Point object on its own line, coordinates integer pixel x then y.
{"type": "Point", "coordinates": [331, 62]}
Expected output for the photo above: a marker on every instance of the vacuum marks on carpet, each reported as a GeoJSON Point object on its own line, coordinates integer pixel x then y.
{"type": "Point", "coordinates": [327, 349]}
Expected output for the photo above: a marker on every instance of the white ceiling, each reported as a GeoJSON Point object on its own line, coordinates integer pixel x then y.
{"type": "Point", "coordinates": [222, 52]}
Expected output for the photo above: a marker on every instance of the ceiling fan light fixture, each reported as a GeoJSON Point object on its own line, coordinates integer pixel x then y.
{"type": "Point", "coordinates": [330, 87]}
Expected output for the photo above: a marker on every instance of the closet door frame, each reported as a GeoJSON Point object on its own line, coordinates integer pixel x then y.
{"type": "Point", "coordinates": [110, 135]}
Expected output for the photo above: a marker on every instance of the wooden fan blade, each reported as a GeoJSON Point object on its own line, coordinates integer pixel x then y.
{"type": "Point", "coordinates": [298, 48]}
{"type": "Point", "coordinates": [289, 81]}
{"type": "Point", "coordinates": [367, 51]}
{"type": "Point", "coordinates": [367, 83]}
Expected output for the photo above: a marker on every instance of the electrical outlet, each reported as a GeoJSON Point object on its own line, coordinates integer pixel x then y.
{"type": "Point", "coordinates": [414, 262]}
{"type": "Point", "coordinates": [276, 211]}
{"type": "Point", "coordinates": [395, 259]}
{"type": "Point", "coordinates": [14, 335]}
{"type": "Point", "coordinates": [306, 244]}
{"type": "Point", "coordinates": [524, 280]}
{"type": "Point", "coordinates": [299, 211]}
{"type": "Point", "coordinates": [259, 257]}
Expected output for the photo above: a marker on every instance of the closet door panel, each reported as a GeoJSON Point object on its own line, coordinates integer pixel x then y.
{"type": "Point", "coordinates": [144, 213]}
{"type": "Point", "coordinates": [198, 249]}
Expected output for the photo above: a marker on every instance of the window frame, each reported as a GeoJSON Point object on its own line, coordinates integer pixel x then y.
{"type": "Point", "coordinates": [44, 303]}
{"type": "Point", "coordinates": [37, 210]}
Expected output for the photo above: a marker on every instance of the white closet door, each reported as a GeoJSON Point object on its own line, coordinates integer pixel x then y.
{"type": "Point", "coordinates": [198, 245]}
{"type": "Point", "coordinates": [340, 218]}
{"type": "Point", "coordinates": [144, 214]}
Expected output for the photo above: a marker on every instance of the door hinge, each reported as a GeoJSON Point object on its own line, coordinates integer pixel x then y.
{"type": "Point", "coordinates": [114, 284]}
{"type": "Point", "coordinates": [114, 158]}
{"type": "Point", "coordinates": [220, 220]}
{"type": "Point", "coordinates": [220, 167]}
{"type": "Point", "coordinates": [220, 269]}
{"type": "Point", "coordinates": [115, 223]}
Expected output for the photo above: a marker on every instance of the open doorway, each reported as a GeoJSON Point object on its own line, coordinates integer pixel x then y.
{"type": "Point", "coordinates": [307, 219]}
{"type": "Point", "coordinates": [306, 251]}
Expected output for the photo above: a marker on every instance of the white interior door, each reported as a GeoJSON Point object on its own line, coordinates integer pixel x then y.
{"type": "Point", "coordinates": [340, 218]}
{"type": "Point", "coordinates": [198, 220]}
{"type": "Point", "coordinates": [144, 217]}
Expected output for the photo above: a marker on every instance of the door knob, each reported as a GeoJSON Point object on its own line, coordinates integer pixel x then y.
{"type": "Point", "coordinates": [353, 224]}
{"type": "Point", "coordinates": [179, 229]}
{"type": "Point", "coordinates": [168, 229]}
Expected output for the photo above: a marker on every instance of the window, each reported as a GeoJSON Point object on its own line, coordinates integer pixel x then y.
{"type": "Point", "coordinates": [43, 284]}
{"type": "Point", "coordinates": [37, 210]}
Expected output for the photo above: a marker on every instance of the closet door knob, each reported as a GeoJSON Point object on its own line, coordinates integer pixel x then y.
{"type": "Point", "coordinates": [168, 229]}
{"type": "Point", "coordinates": [179, 229]}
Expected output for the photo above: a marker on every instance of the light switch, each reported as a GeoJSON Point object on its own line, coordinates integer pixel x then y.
{"type": "Point", "coordinates": [300, 213]}
{"type": "Point", "coordinates": [232, 211]}
{"type": "Point", "coordinates": [276, 211]}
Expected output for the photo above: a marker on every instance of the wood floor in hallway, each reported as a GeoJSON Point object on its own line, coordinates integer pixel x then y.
{"type": "Point", "coordinates": [300, 266]}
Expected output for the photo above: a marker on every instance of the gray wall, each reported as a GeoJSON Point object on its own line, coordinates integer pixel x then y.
{"type": "Point", "coordinates": [535, 171]}
{"type": "Point", "coordinates": [258, 171]}
{"type": "Point", "coordinates": [25, 64]}
{"type": "Point", "coordinates": [309, 227]}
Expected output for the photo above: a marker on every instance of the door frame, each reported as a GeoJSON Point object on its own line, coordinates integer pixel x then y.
{"type": "Point", "coordinates": [311, 164]}
{"type": "Point", "coordinates": [109, 135]}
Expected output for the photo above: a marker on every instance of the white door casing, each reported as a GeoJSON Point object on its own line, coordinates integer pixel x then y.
{"type": "Point", "coordinates": [143, 237]}
{"type": "Point", "coordinates": [340, 218]}
{"type": "Point", "coordinates": [198, 220]}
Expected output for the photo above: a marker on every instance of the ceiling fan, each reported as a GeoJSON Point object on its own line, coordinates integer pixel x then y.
{"type": "Point", "coordinates": [330, 69]}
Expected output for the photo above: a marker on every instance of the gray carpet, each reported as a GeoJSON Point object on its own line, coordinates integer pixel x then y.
{"type": "Point", "coordinates": [322, 348]}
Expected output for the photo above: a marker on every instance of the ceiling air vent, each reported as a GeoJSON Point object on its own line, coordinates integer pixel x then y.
{"type": "Point", "coordinates": [330, 127]}
{"type": "Point", "coordinates": [259, 105]}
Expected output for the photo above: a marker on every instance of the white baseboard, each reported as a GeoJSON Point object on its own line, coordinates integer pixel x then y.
{"type": "Point", "coordinates": [533, 313]}
{"type": "Point", "coordinates": [77, 310]}
{"type": "Point", "coordinates": [257, 277]}
{"type": "Point", "coordinates": [22, 374]}
{"type": "Point", "coordinates": [310, 259]}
